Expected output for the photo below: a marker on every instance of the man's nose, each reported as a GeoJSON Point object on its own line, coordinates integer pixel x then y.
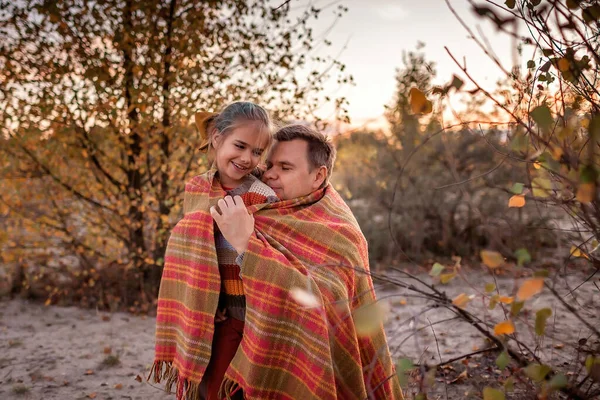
{"type": "Point", "coordinates": [269, 174]}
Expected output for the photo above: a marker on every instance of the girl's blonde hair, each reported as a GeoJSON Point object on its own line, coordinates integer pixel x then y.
{"type": "Point", "coordinates": [238, 114]}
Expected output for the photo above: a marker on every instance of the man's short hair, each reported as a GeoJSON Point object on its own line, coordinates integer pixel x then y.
{"type": "Point", "coordinates": [320, 149]}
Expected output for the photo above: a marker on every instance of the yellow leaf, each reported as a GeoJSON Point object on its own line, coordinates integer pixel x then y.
{"type": "Point", "coordinates": [557, 152]}
{"type": "Point", "coordinates": [541, 187]}
{"type": "Point", "coordinates": [585, 123]}
{"type": "Point", "coordinates": [530, 288]}
{"type": "Point", "coordinates": [492, 259]}
{"type": "Point", "coordinates": [92, 395]}
{"type": "Point", "coordinates": [368, 319]}
{"type": "Point", "coordinates": [506, 299]}
{"type": "Point", "coordinates": [537, 165]}
{"type": "Point", "coordinates": [504, 328]}
{"type": "Point", "coordinates": [119, 386]}
{"type": "Point", "coordinates": [445, 278]}
{"type": "Point", "coordinates": [516, 201]}
{"type": "Point", "coordinates": [586, 192]}
{"type": "Point", "coordinates": [48, 302]}
{"type": "Point", "coordinates": [563, 64]}
{"type": "Point", "coordinates": [576, 252]}
{"type": "Point", "coordinates": [461, 300]}
{"type": "Point", "coordinates": [490, 393]}
{"type": "Point", "coordinates": [419, 103]}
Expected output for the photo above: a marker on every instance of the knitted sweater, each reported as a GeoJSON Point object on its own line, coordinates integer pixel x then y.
{"type": "Point", "coordinates": [232, 298]}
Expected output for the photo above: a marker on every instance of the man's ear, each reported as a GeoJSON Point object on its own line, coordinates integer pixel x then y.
{"type": "Point", "coordinates": [320, 177]}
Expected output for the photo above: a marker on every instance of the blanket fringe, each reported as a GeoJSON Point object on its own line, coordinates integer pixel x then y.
{"type": "Point", "coordinates": [228, 388]}
{"type": "Point", "coordinates": [184, 389]}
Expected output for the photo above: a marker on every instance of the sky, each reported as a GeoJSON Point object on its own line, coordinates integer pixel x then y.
{"type": "Point", "coordinates": [377, 32]}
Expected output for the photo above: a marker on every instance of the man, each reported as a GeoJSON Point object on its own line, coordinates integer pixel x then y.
{"type": "Point", "coordinates": [304, 266]}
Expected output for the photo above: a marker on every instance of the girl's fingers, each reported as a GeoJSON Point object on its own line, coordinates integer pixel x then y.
{"type": "Point", "coordinates": [215, 214]}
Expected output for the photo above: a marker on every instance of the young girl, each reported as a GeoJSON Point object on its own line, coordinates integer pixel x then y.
{"type": "Point", "coordinates": [201, 307]}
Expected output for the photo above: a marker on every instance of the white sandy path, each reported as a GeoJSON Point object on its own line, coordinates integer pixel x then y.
{"type": "Point", "coordinates": [49, 349]}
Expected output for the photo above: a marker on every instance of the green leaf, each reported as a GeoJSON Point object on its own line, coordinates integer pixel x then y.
{"type": "Point", "coordinates": [502, 360]}
{"type": "Point", "coordinates": [517, 188]}
{"type": "Point", "coordinates": [548, 162]}
{"type": "Point", "coordinates": [523, 256]}
{"type": "Point", "coordinates": [493, 302]}
{"type": "Point", "coordinates": [510, 3]}
{"type": "Point", "coordinates": [589, 361]}
{"type": "Point", "coordinates": [490, 287]}
{"type": "Point", "coordinates": [558, 381]}
{"type": "Point", "coordinates": [588, 174]}
{"type": "Point", "coordinates": [436, 269]}
{"type": "Point", "coordinates": [540, 320]}
{"type": "Point", "coordinates": [457, 83]}
{"type": "Point", "coordinates": [509, 385]}
{"type": "Point", "coordinates": [492, 394]}
{"type": "Point", "coordinates": [519, 142]}
{"type": "Point", "coordinates": [542, 117]}
{"type": "Point", "coordinates": [405, 364]}
{"type": "Point", "coordinates": [402, 366]}
{"type": "Point", "coordinates": [537, 372]}
{"type": "Point", "coordinates": [530, 64]}
{"type": "Point", "coordinates": [516, 307]}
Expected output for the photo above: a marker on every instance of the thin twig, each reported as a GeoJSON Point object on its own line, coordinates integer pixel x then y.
{"type": "Point", "coordinates": [439, 355]}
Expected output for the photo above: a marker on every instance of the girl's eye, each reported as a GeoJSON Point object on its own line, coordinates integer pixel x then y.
{"type": "Point", "coordinates": [257, 153]}
{"type": "Point", "coordinates": [239, 146]}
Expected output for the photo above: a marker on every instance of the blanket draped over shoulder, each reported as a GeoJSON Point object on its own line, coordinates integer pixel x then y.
{"type": "Point", "coordinates": [310, 245]}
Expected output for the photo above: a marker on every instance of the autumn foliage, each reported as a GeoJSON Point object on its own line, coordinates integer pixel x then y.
{"type": "Point", "coordinates": [96, 101]}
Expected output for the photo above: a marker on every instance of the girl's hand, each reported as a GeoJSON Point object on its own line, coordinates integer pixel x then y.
{"type": "Point", "coordinates": [234, 222]}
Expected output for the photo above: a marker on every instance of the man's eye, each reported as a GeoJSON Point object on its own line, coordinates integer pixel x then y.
{"type": "Point", "coordinates": [285, 168]}
{"type": "Point", "coordinates": [239, 146]}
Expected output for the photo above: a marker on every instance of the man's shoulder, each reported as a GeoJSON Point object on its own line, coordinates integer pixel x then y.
{"type": "Point", "coordinates": [338, 208]}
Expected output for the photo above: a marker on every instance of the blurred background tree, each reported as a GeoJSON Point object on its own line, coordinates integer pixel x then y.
{"type": "Point", "coordinates": [96, 102]}
{"type": "Point", "coordinates": [428, 191]}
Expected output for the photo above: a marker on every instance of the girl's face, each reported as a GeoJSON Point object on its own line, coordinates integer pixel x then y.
{"type": "Point", "coordinates": [238, 153]}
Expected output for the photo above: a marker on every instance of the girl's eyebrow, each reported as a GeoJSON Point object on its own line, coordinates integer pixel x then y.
{"type": "Point", "coordinates": [247, 145]}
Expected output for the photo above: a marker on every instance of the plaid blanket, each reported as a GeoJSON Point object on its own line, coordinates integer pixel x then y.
{"type": "Point", "coordinates": [289, 350]}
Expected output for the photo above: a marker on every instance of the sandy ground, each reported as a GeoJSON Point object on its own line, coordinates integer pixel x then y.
{"type": "Point", "coordinates": [70, 353]}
